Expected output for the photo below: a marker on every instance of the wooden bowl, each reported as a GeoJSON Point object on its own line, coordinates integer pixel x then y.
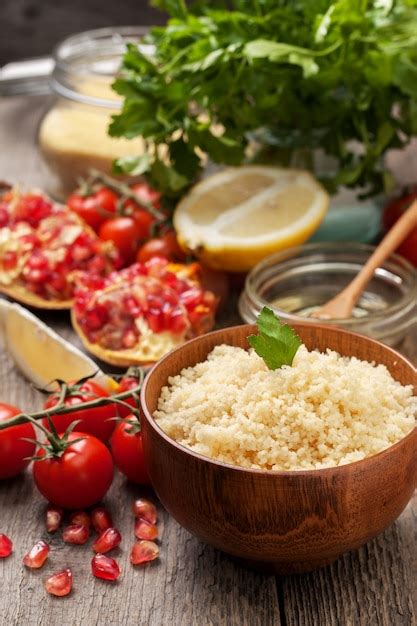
{"type": "Point", "coordinates": [281, 522]}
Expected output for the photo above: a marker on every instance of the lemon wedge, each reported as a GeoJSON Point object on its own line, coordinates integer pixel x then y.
{"type": "Point", "coordinates": [41, 354]}
{"type": "Point", "coordinates": [235, 218]}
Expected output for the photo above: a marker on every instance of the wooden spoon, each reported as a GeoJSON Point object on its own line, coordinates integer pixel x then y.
{"type": "Point", "coordinates": [341, 306]}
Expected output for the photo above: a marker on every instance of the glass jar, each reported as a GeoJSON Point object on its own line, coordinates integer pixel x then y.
{"type": "Point", "coordinates": [296, 282]}
{"type": "Point", "coordinates": [73, 134]}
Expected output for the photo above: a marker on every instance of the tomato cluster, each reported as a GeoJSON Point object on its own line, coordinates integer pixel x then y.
{"type": "Point", "coordinates": [81, 472]}
{"type": "Point", "coordinates": [129, 220]}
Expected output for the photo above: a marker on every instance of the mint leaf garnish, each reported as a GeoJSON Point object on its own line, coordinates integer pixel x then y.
{"type": "Point", "coordinates": [276, 343]}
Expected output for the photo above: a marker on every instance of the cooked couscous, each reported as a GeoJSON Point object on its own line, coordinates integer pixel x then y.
{"type": "Point", "coordinates": [322, 411]}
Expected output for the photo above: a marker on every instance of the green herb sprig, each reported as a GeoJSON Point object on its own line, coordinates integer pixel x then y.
{"type": "Point", "coordinates": [272, 81]}
{"type": "Point", "coordinates": [276, 343]}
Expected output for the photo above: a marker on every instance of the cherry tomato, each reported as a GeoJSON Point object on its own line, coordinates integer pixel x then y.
{"type": "Point", "coordinates": [95, 421]}
{"type": "Point", "coordinates": [128, 382]}
{"type": "Point", "coordinates": [95, 208]}
{"type": "Point", "coordinates": [13, 450]}
{"type": "Point", "coordinates": [127, 449]}
{"type": "Point", "coordinates": [166, 246]}
{"type": "Point", "coordinates": [144, 222]}
{"type": "Point", "coordinates": [392, 213]}
{"type": "Point", "coordinates": [147, 194]}
{"type": "Point", "coordinates": [125, 234]}
{"type": "Point", "coordinates": [78, 478]}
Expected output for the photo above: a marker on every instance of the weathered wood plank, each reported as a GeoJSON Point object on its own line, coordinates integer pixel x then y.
{"type": "Point", "coordinates": [192, 583]}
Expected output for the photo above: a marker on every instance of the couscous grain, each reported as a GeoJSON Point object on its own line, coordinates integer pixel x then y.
{"type": "Point", "coordinates": [324, 410]}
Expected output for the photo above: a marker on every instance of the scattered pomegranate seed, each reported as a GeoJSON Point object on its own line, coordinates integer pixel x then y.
{"type": "Point", "coordinates": [107, 540]}
{"type": "Point", "coordinates": [143, 552]}
{"type": "Point", "coordinates": [80, 518]}
{"type": "Point", "coordinates": [76, 533]}
{"type": "Point", "coordinates": [53, 518]}
{"type": "Point", "coordinates": [59, 584]}
{"type": "Point", "coordinates": [6, 546]}
{"type": "Point", "coordinates": [101, 519]}
{"type": "Point", "coordinates": [145, 530]}
{"type": "Point", "coordinates": [144, 509]}
{"type": "Point", "coordinates": [37, 556]}
{"type": "Point", "coordinates": [105, 567]}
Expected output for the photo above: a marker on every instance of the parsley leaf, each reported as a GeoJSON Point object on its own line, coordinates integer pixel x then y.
{"type": "Point", "coordinates": [276, 343]}
{"type": "Point", "coordinates": [273, 81]}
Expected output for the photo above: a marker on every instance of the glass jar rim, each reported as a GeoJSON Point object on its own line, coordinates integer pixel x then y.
{"type": "Point", "coordinates": [85, 43]}
{"type": "Point", "coordinates": [326, 247]}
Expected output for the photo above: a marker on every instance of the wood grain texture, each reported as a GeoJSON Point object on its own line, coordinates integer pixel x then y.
{"type": "Point", "coordinates": [194, 585]}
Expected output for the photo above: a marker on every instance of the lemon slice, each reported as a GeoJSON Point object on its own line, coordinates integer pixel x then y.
{"type": "Point", "coordinates": [235, 218]}
{"type": "Point", "coordinates": [41, 354]}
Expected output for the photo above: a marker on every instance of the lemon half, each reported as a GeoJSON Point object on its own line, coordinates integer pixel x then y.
{"type": "Point", "coordinates": [235, 218]}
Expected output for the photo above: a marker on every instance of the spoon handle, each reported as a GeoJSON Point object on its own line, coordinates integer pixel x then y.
{"type": "Point", "coordinates": [388, 245]}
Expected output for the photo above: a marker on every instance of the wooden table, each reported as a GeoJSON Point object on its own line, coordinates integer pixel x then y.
{"type": "Point", "coordinates": [192, 584]}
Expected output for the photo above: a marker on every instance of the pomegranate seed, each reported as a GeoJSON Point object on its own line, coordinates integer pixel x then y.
{"type": "Point", "coordinates": [107, 540]}
{"type": "Point", "coordinates": [37, 261]}
{"type": "Point", "coordinates": [4, 216]}
{"type": "Point", "coordinates": [32, 208]}
{"type": "Point", "coordinates": [105, 567]}
{"type": "Point", "coordinates": [59, 584]}
{"type": "Point", "coordinates": [145, 530]}
{"type": "Point", "coordinates": [176, 322]}
{"type": "Point", "coordinates": [130, 338]}
{"type": "Point", "coordinates": [36, 276]}
{"type": "Point", "coordinates": [57, 282]}
{"type": "Point", "coordinates": [155, 320]}
{"type": "Point", "coordinates": [37, 556]}
{"type": "Point", "coordinates": [80, 518]}
{"type": "Point", "coordinates": [76, 534]}
{"type": "Point", "coordinates": [191, 298]}
{"type": "Point", "coordinates": [6, 546]}
{"type": "Point", "coordinates": [143, 552]}
{"type": "Point", "coordinates": [9, 260]}
{"type": "Point", "coordinates": [53, 518]}
{"type": "Point", "coordinates": [144, 509]}
{"type": "Point", "coordinates": [101, 519]}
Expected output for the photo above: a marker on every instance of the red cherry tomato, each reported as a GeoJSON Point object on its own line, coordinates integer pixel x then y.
{"type": "Point", "coordinates": [392, 213]}
{"type": "Point", "coordinates": [128, 382]}
{"type": "Point", "coordinates": [147, 194]}
{"type": "Point", "coordinates": [78, 478]}
{"type": "Point", "coordinates": [144, 222]}
{"type": "Point", "coordinates": [166, 246]}
{"type": "Point", "coordinates": [13, 450]}
{"type": "Point", "coordinates": [95, 208]}
{"type": "Point", "coordinates": [125, 234]}
{"type": "Point", "coordinates": [127, 450]}
{"type": "Point", "coordinates": [96, 422]}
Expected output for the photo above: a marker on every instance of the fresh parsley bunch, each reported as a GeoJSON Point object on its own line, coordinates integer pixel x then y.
{"type": "Point", "coordinates": [267, 80]}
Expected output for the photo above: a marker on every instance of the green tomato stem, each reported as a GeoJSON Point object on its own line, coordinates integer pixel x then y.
{"type": "Point", "coordinates": [63, 409]}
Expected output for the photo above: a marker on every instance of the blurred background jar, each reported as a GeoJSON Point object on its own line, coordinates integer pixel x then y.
{"type": "Point", "coordinates": [73, 135]}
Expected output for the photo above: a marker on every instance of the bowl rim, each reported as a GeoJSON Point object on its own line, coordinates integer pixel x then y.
{"type": "Point", "coordinates": [303, 473]}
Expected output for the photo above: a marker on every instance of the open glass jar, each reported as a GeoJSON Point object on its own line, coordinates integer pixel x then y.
{"type": "Point", "coordinates": [73, 134]}
{"type": "Point", "coordinates": [295, 282]}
